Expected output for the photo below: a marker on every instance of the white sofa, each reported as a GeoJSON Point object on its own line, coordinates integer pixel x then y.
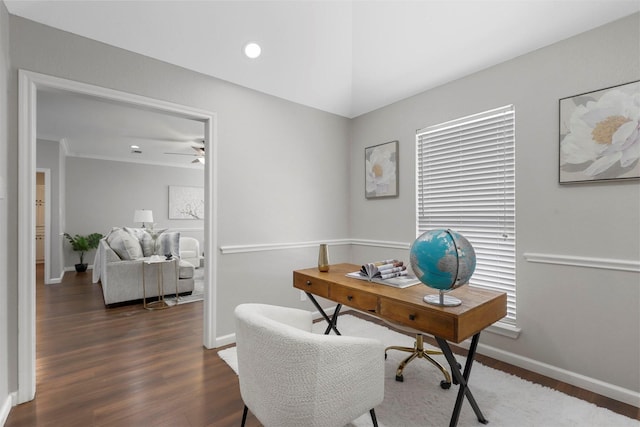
{"type": "Point", "coordinates": [118, 265]}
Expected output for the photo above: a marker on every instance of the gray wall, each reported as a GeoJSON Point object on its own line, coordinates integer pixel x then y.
{"type": "Point", "coordinates": [291, 174]}
{"type": "Point", "coordinates": [102, 194]}
{"type": "Point", "coordinates": [7, 329]}
{"type": "Point", "coordinates": [567, 314]}
{"type": "Point", "coordinates": [282, 168]}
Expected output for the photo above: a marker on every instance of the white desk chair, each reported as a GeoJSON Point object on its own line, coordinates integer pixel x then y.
{"type": "Point", "coordinates": [291, 377]}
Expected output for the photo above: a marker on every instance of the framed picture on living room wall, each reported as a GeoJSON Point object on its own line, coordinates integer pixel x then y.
{"type": "Point", "coordinates": [600, 135]}
{"type": "Point", "coordinates": [186, 202]}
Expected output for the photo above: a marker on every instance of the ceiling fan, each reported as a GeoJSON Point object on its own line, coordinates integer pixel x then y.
{"type": "Point", "coordinates": [199, 152]}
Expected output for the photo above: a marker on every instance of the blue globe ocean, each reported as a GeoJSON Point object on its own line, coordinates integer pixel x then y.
{"type": "Point", "coordinates": [442, 259]}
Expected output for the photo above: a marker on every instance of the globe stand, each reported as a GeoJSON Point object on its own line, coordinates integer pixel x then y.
{"type": "Point", "coordinates": [442, 300]}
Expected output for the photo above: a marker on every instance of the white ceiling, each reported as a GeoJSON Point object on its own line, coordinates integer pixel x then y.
{"type": "Point", "coordinates": [341, 56]}
{"type": "Point", "coordinates": [94, 128]}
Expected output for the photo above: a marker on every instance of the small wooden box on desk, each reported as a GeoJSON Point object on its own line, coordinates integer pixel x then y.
{"type": "Point", "coordinates": [480, 308]}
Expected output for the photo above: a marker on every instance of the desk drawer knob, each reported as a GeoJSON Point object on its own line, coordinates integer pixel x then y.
{"type": "Point", "coordinates": [412, 317]}
{"type": "Point", "coordinates": [308, 282]}
{"type": "Point", "coordinates": [349, 297]}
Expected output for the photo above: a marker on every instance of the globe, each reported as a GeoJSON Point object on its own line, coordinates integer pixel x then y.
{"type": "Point", "coordinates": [442, 259]}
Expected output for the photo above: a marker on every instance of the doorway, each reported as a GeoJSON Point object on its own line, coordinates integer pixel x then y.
{"type": "Point", "coordinates": [29, 84]}
{"type": "Point", "coordinates": [40, 206]}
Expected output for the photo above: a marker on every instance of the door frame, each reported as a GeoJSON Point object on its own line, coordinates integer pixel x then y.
{"type": "Point", "coordinates": [29, 84]}
{"type": "Point", "coordinates": [47, 223]}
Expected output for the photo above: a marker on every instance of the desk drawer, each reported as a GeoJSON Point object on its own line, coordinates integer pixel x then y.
{"type": "Point", "coordinates": [426, 320]}
{"type": "Point", "coordinates": [311, 284]}
{"type": "Point", "coordinates": [358, 299]}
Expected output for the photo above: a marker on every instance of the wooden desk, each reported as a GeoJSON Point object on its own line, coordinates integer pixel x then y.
{"type": "Point", "coordinates": [479, 309]}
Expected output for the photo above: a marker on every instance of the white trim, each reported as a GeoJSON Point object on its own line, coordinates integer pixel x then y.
{"type": "Point", "coordinates": [578, 261]}
{"type": "Point", "coordinates": [235, 249]}
{"type": "Point", "coordinates": [47, 223]}
{"type": "Point", "coordinates": [181, 229]}
{"type": "Point", "coordinates": [594, 385]}
{"type": "Point", "coordinates": [5, 409]}
{"type": "Point", "coordinates": [504, 329]}
{"type": "Point", "coordinates": [259, 247]}
{"type": "Point", "coordinates": [64, 145]}
{"type": "Point", "coordinates": [62, 195]}
{"type": "Point", "coordinates": [29, 83]}
{"type": "Point", "coordinates": [210, 231]}
{"type": "Point", "coordinates": [381, 244]}
{"type": "Point", "coordinates": [226, 340]}
{"type": "Point", "coordinates": [26, 238]}
{"type": "Point", "coordinates": [602, 263]}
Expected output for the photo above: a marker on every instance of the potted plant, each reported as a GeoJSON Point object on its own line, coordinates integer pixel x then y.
{"type": "Point", "coordinates": [83, 244]}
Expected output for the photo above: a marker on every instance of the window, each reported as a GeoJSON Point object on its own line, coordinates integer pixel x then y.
{"type": "Point", "coordinates": [466, 182]}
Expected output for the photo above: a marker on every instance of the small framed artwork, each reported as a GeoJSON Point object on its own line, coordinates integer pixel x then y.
{"type": "Point", "coordinates": [381, 170]}
{"type": "Point", "coordinates": [186, 202]}
{"type": "Point", "coordinates": [600, 135]}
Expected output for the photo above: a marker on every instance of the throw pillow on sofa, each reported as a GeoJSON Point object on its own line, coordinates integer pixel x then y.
{"type": "Point", "coordinates": [168, 243]}
{"type": "Point", "coordinates": [124, 244]}
{"type": "Point", "coordinates": [145, 239]}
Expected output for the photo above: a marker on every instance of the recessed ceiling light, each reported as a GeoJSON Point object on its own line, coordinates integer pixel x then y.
{"type": "Point", "coordinates": [252, 50]}
{"type": "Point", "coordinates": [135, 147]}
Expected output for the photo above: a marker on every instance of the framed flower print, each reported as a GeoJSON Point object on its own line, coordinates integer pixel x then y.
{"type": "Point", "coordinates": [381, 170]}
{"type": "Point", "coordinates": [600, 135]}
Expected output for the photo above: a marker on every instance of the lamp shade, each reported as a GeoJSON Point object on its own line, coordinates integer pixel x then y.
{"type": "Point", "coordinates": [143, 215]}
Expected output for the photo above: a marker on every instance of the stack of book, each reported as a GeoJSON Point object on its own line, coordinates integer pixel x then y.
{"type": "Point", "coordinates": [390, 272]}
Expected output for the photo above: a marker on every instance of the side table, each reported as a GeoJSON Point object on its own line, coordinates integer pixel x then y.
{"type": "Point", "coordinates": [160, 304]}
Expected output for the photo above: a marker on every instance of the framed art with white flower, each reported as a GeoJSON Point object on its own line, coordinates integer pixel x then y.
{"type": "Point", "coordinates": [381, 170]}
{"type": "Point", "coordinates": [600, 135]}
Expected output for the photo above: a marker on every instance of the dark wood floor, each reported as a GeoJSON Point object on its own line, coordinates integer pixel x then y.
{"type": "Point", "coordinates": [126, 366]}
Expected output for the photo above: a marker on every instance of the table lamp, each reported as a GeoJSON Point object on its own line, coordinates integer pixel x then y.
{"type": "Point", "coordinates": [143, 215]}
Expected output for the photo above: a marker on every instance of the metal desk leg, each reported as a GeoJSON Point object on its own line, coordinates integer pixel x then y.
{"type": "Point", "coordinates": [462, 379]}
{"type": "Point", "coordinates": [331, 321]}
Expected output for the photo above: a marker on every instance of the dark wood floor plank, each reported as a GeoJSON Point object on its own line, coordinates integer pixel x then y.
{"type": "Point", "coordinates": [126, 366]}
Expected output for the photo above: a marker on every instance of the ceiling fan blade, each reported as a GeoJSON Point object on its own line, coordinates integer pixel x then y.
{"type": "Point", "coordinates": [178, 140]}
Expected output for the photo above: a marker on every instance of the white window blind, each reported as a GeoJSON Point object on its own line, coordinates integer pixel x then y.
{"type": "Point", "coordinates": [466, 182]}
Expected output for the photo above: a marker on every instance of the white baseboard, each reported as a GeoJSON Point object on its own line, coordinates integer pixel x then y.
{"type": "Point", "coordinates": [225, 340]}
{"type": "Point", "coordinates": [594, 385]}
{"type": "Point", "coordinates": [6, 408]}
{"type": "Point", "coordinates": [56, 280]}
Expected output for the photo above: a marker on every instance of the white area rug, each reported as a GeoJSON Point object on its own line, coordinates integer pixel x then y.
{"type": "Point", "coordinates": [505, 400]}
